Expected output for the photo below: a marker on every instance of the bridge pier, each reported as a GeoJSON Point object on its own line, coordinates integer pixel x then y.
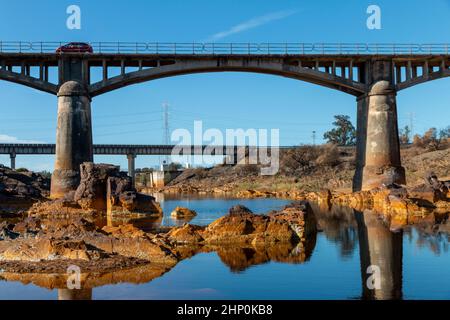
{"type": "Point", "coordinates": [73, 137]}
{"type": "Point", "coordinates": [131, 166]}
{"type": "Point", "coordinates": [377, 146]}
{"type": "Point", "coordinates": [12, 157]}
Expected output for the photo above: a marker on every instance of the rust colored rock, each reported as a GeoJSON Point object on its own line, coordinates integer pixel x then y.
{"type": "Point", "coordinates": [91, 192]}
{"type": "Point", "coordinates": [432, 191]}
{"type": "Point", "coordinates": [48, 249]}
{"type": "Point", "coordinates": [188, 233]}
{"type": "Point", "coordinates": [292, 224]}
{"type": "Point", "coordinates": [124, 231]}
{"type": "Point", "coordinates": [59, 208]}
{"type": "Point", "coordinates": [122, 199]}
{"type": "Point", "coordinates": [181, 213]}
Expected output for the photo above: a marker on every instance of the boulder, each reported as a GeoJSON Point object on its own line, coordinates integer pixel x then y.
{"type": "Point", "coordinates": [23, 185]}
{"type": "Point", "coordinates": [187, 234]}
{"type": "Point", "coordinates": [182, 213]}
{"type": "Point", "coordinates": [432, 190]}
{"type": "Point", "coordinates": [91, 192]}
{"type": "Point", "coordinates": [292, 224]}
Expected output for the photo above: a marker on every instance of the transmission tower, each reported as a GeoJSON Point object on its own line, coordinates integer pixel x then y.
{"type": "Point", "coordinates": [314, 137]}
{"type": "Point", "coordinates": [166, 131]}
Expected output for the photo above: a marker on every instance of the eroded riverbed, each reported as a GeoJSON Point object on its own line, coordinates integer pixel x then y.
{"type": "Point", "coordinates": [414, 263]}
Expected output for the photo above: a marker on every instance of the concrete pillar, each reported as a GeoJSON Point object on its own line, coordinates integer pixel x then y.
{"type": "Point", "coordinates": [380, 250]}
{"type": "Point", "coordinates": [73, 137]}
{"type": "Point", "coordinates": [378, 147]}
{"type": "Point", "coordinates": [361, 130]}
{"type": "Point", "coordinates": [131, 167]}
{"type": "Point", "coordinates": [12, 156]}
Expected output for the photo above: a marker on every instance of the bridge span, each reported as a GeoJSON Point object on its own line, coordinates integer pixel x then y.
{"type": "Point", "coordinates": [130, 150]}
{"type": "Point", "coordinates": [373, 73]}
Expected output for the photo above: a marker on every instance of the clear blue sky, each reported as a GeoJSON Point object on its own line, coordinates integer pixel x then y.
{"type": "Point", "coordinates": [222, 100]}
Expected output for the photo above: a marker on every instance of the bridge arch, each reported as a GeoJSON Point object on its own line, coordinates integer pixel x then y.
{"type": "Point", "coordinates": [271, 67]}
{"type": "Point", "coordinates": [28, 81]}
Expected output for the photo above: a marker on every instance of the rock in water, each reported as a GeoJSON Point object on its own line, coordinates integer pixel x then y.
{"type": "Point", "coordinates": [181, 213]}
{"type": "Point", "coordinates": [294, 223]}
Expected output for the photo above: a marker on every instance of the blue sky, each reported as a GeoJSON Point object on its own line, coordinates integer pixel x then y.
{"type": "Point", "coordinates": [222, 100]}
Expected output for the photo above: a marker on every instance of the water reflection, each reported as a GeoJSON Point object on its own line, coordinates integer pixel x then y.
{"type": "Point", "coordinates": [344, 229]}
{"type": "Point", "coordinates": [339, 226]}
{"type": "Point", "coordinates": [75, 294]}
{"type": "Point", "coordinates": [382, 249]}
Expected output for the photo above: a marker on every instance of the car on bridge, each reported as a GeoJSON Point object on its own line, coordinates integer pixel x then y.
{"type": "Point", "coordinates": [75, 47]}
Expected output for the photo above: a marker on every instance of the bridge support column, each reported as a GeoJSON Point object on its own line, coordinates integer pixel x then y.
{"type": "Point", "coordinates": [378, 148]}
{"type": "Point", "coordinates": [73, 137]}
{"type": "Point", "coordinates": [12, 157]}
{"type": "Point", "coordinates": [131, 167]}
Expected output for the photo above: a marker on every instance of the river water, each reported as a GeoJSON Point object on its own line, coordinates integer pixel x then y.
{"type": "Point", "coordinates": [412, 264]}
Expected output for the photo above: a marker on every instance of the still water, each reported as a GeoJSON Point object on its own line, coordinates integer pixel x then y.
{"type": "Point", "coordinates": [414, 263]}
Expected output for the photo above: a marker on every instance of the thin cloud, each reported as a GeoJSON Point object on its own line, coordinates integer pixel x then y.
{"type": "Point", "coordinates": [10, 139]}
{"type": "Point", "coordinates": [252, 23]}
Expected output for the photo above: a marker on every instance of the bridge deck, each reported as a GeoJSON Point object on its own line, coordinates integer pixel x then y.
{"type": "Point", "coordinates": [111, 149]}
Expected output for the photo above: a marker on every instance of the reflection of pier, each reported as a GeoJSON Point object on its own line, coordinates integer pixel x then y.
{"type": "Point", "coordinates": [76, 294]}
{"type": "Point", "coordinates": [383, 248]}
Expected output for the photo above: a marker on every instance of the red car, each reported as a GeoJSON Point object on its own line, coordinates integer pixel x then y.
{"type": "Point", "coordinates": [77, 47]}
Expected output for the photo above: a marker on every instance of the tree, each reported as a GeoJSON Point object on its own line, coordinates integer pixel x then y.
{"type": "Point", "coordinates": [344, 134]}
{"type": "Point", "coordinates": [405, 135]}
{"type": "Point", "coordinates": [444, 133]}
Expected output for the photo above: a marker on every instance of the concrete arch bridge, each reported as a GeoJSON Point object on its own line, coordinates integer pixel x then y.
{"type": "Point", "coordinates": [373, 73]}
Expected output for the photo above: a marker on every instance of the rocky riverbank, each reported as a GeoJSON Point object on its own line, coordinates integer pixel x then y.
{"type": "Point", "coordinates": [50, 245]}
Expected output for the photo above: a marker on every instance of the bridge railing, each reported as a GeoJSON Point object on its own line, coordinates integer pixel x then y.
{"type": "Point", "coordinates": [233, 48]}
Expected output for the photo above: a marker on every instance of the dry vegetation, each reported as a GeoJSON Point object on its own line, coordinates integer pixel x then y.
{"type": "Point", "coordinates": [312, 168]}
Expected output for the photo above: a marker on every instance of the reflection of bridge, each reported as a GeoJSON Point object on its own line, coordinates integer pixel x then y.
{"type": "Point", "coordinates": [373, 73]}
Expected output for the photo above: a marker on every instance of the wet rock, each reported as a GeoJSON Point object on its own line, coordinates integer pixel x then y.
{"type": "Point", "coordinates": [182, 213]}
{"type": "Point", "coordinates": [357, 200]}
{"type": "Point", "coordinates": [241, 226]}
{"type": "Point", "coordinates": [186, 234]}
{"type": "Point", "coordinates": [255, 194]}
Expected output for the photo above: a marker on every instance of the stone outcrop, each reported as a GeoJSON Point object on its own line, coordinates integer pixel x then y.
{"type": "Point", "coordinates": [102, 188]}
{"type": "Point", "coordinates": [432, 190]}
{"type": "Point", "coordinates": [182, 213]}
{"type": "Point", "coordinates": [240, 226]}
{"type": "Point", "coordinates": [91, 192]}
{"type": "Point", "coordinates": [34, 240]}
{"type": "Point", "coordinates": [24, 186]}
